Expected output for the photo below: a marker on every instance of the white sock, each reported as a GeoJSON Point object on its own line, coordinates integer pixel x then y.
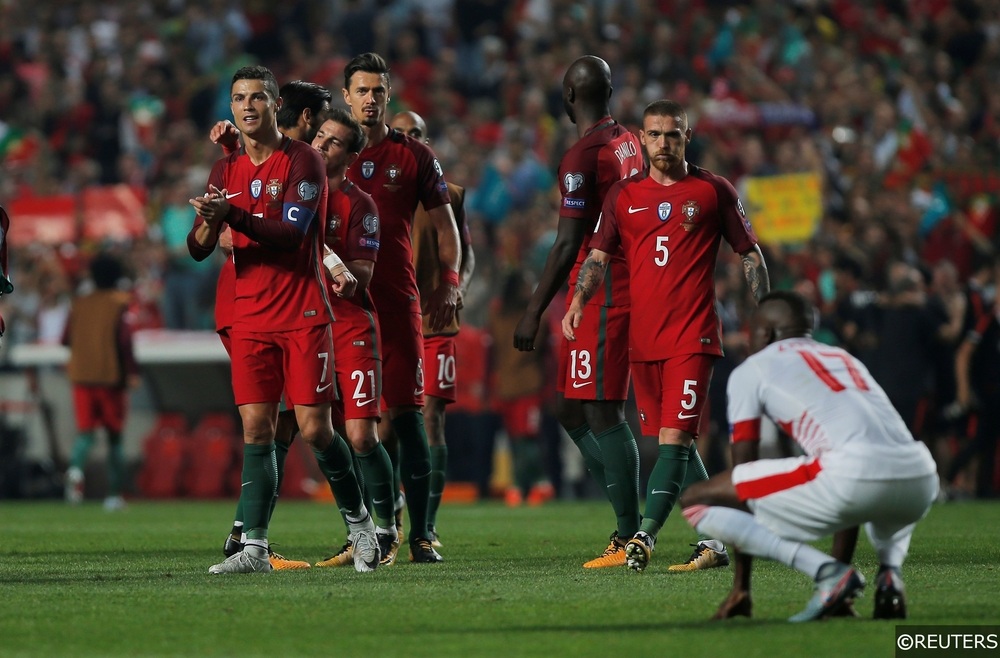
{"type": "Point", "coordinates": [713, 544]}
{"type": "Point", "coordinates": [739, 528]}
{"type": "Point", "coordinates": [243, 538]}
{"type": "Point", "coordinates": [256, 547]}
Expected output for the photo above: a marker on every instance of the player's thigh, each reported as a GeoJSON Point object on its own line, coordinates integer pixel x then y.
{"type": "Point", "coordinates": [85, 407]}
{"type": "Point", "coordinates": [402, 364]}
{"type": "Point", "coordinates": [309, 367]}
{"type": "Point", "coordinates": [684, 383]}
{"type": "Point", "coordinates": [522, 416]}
{"type": "Point", "coordinates": [646, 380]}
{"type": "Point", "coordinates": [890, 505]}
{"type": "Point", "coordinates": [440, 367]}
{"type": "Point", "coordinates": [793, 497]}
{"type": "Point", "coordinates": [595, 365]}
{"type": "Point", "coordinates": [257, 367]}
{"type": "Point", "coordinates": [111, 407]}
{"type": "Point", "coordinates": [359, 379]}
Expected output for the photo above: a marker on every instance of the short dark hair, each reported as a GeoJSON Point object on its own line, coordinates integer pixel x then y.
{"type": "Point", "coordinates": [801, 314]}
{"type": "Point", "coordinates": [299, 95]}
{"type": "Point", "coordinates": [343, 117]}
{"type": "Point", "coordinates": [367, 63]}
{"type": "Point", "coordinates": [106, 270]}
{"type": "Point", "coordinates": [257, 72]}
{"type": "Point", "coordinates": [666, 108]}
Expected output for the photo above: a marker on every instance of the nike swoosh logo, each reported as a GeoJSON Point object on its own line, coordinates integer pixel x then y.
{"type": "Point", "coordinates": [320, 389]}
{"type": "Point", "coordinates": [418, 391]}
{"type": "Point", "coordinates": [659, 491]}
{"type": "Point", "coordinates": [686, 416]}
{"type": "Point", "coordinates": [419, 477]}
{"type": "Point", "coordinates": [246, 483]}
{"type": "Point", "coordinates": [632, 210]}
{"type": "Point", "coordinates": [579, 385]}
{"type": "Point", "coordinates": [230, 196]}
{"type": "Point", "coordinates": [446, 385]}
{"type": "Point", "coordinates": [379, 502]}
{"type": "Point", "coordinates": [361, 404]}
{"type": "Point", "coordinates": [613, 484]}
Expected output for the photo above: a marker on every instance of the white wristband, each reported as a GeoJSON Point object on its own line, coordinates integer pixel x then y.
{"type": "Point", "coordinates": [333, 263]}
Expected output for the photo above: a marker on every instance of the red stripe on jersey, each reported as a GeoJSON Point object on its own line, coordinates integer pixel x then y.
{"type": "Point", "coordinates": [745, 430]}
{"type": "Point", "coordinates": [765, 486]}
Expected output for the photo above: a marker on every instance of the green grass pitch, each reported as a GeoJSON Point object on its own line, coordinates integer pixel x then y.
{"type": "Point", "coordinates": [83, 582]}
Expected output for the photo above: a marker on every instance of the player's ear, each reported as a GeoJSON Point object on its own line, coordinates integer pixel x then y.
{"type": "Point", "coordinates": [351, 157]}
{"type": "Point", "coordinates": [347, 96]}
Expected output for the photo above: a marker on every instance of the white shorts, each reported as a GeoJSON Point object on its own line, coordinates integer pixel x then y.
{"type": "Point", "coordinates": [798, 500]}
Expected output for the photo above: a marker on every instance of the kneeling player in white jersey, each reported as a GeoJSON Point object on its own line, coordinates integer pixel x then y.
{"type": "Point", "coordinates": [861, 466]}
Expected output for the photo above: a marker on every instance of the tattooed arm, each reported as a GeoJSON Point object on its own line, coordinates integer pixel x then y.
{"type": "Point", "coordinates": [588, 282]}
{"type": "Point", "coordinates": [755, 272]}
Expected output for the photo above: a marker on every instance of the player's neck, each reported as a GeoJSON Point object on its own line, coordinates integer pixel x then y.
{"type": "Point", "coordinates": [336, 178]}
{"type": "Point", "coordinates": [587, 119]}
{"type": "Point", "coordinates": [670, 176]}
{"type": "Point", "coordinates": [376, 134]}
{"type": "Point", "coordinates": [260, 147]}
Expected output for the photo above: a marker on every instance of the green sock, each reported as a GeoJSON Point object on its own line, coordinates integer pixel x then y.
{"type": "Point", "coordinates": [260, 479]}
{"type": "Point", "coordinates": [116, 464]}
{"type": "Point", "coordinates": [617, 443]}
{"type": "Point", "coordinates": [696, 472]}
{"type": "Point", "coordinates": [439, 475]}
{"type": "Point", "coordinates": [377, 470]}
{"type": "Point", "coordinates": [527, 456]}
{"type": "Point", "coordinates": [664, 487]}
{"type": "Point", "coordinates": [81, 448]}
{"type": "Point", "coordinates": [591, 451]}
{"type": "Point", "coordinates": [238, 517]}
{"type": "Point", "coordinates": [337, 465]}
{"type": "Point", "coordinates": [280, 455]}
{"type": "Point", "coordinates": [415, 468]}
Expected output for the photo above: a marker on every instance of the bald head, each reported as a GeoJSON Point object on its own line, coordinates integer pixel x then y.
{"type": "Point", "coordinates": [782, 314]}
{"type": "Point", "coordinates": [410, 123]}
{"type": "Point", "coordinates": [587, 87]}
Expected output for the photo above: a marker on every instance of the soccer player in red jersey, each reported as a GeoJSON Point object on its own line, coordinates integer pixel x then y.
{"type": "Point", "coordinates": [399, 172]}
{"type": "Point", "coordinates": [302, 104]}
{"type": "Point", "coordinates": [352, 233]}
{"type": "Point", "coordinates": [593, 377]}
{"type": "Point", "coordinates": [669, 222]}
{"type": "Point", "coordinates": [271, 193]}
{"type": "Point", "coordinates": [439, 345]}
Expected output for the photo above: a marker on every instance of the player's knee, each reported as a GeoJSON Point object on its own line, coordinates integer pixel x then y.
{"type": "Point", "coordinates": [363, 442]}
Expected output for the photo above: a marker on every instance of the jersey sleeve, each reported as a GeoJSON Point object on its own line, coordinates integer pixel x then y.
{"type": "Point", "coordinates": [217, 178]}
{"type": "Point", "coordinates": [432, 190]}
{"type": "Point", "coordinates": [576, 185]}
{"type": "Point", "coordinates": [744, 409]}
{"type": "Point", "coordinates": [363, 228]}
{"type": "Point", "coordinates": [606, 236]}
{"type": "Point", "coordinates": [735, 223]}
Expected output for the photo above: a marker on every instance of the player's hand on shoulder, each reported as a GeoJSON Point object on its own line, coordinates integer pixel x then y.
{"type": "Point", "coordinates": [226, 135]}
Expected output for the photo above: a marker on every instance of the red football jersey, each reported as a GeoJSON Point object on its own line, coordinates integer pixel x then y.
{"type": "Point", "coordinates": [278, 288]}
{"type": "Point", "coordinates": [399, 172]}
{"type": "Point", "coordinates": [607, 153]}
{"type": "Point", "coordinates": [352, 231]}
{"type": "Point", "coordinates": [670, 236]}
{"type": "Point", "coordinates": [225, 293]}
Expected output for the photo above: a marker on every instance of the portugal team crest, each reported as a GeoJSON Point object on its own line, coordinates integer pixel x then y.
{"type": "Point", "coordinates": [393, 172]}
{"type": "Point", "coordinates": [334, 224]}
{"type": "Point", "coordinates": [274, 188]}
{"type": "Point", "coordinates": [367, 168]}
{"type": "Point", "coordinates": [255, 187]}
{"type": "Point", "coordinates": [690, 210]}
{"type": "Point", "coordinates": [663, 210]}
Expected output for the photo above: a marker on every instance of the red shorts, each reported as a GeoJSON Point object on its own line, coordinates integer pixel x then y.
{"type": "Point", "coordinates": [298, 363]}
{"type": "Point", "coordinates": [439, 364]}
{"type": "Point", "coordinates": [359, 366]}
{"type": "Point", "coordinates": [595, 366]}
{"type": "Point", "coordinates": [402, 363]}
{"type": "Point", "coordinates": [227, 340]}
{"type": "Point", "coordinates": [100, 406]}
{"type": "Point", "coordinates": [521, 416]}
{"type": "Point", "coordinates": [672, 393]}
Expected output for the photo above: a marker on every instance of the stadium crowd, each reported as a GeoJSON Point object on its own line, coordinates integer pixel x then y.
{"type": "Point", "coordinates": [892, 106]}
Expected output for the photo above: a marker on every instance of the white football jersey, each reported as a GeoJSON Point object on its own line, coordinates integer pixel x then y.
{"type": "Point", "coordinates": [829, 403]}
